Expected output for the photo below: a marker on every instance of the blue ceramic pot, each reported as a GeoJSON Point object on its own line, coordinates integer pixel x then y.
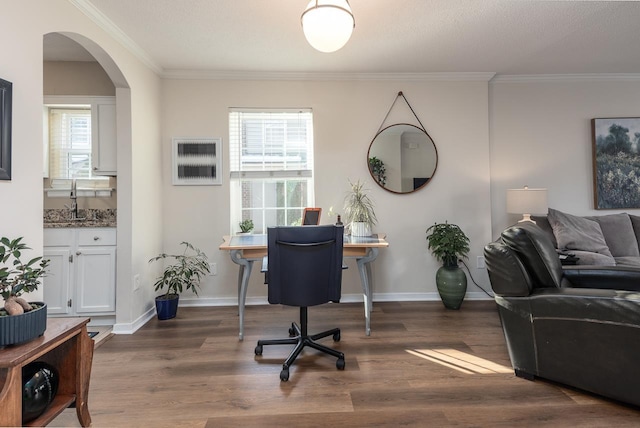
{"type": "Point", "coordinates": [167, 306]}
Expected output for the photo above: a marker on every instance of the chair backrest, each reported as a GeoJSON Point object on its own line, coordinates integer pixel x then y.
{"type": "Point", "coordinates": [304, 264]}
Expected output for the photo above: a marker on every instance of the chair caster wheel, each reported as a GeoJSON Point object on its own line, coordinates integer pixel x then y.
{"type": "Point", "coordinates": [258, 350]}
{"type": "Point", "coordinates": [340, 364]}
{"type": "Point", "coordinates": [292, 332]}
{"type": "Point", "coordinates": [336, 337]}
{"type": "Point", "coordinates": [284, 375]}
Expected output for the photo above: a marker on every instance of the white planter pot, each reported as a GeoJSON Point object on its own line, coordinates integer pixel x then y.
{"type": "Point", "coordinates": [359, 228]}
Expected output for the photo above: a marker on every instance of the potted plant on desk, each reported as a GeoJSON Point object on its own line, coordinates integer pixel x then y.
{"type": "Point", "coordinates": [358, 210]}
{"type": "Point", "coordinates": [448, 243]}
{"type": "Point", "coordinates": [20, 320]}
{"type": "Point", "coordinates": [184, 274]}
{"type": "Point", "coordinates": [246, 226]}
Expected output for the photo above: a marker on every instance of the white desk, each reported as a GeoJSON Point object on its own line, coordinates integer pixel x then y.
{"type": "Point", "coordinates": [246, 249]}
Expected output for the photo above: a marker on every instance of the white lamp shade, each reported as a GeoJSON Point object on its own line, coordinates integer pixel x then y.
{"type": "Point", "coordinates": [527, 201]}
{"type": "Point", "coordinates": [328, 24]}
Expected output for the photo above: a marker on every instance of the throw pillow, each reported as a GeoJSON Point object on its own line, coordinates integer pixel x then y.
{"type": "Point", "coordinates": [577, 233]}
{"type": "Point", "coordinates": [618, 234]}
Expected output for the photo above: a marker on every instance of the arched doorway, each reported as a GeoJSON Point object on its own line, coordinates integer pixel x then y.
{"type": "Point", "coordinates": [84, 57]}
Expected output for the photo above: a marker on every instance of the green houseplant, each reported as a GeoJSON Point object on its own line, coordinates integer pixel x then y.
{"type": "Point", "coordinates": [448, 243]}
{"type": "Point", "coordinates": [378, 170]}
{"type": "Point", "coordinates": [185, 273]}
{"type": "Point", "coordinates": [246, 226]}
{"type": "Point", "coordinates": [358, 210]}
{"type": "Point", "coordinates": [20, 320]}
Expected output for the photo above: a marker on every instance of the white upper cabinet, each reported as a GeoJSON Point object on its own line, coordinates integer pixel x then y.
{"type": "Point", "coordinates": [103, 136]}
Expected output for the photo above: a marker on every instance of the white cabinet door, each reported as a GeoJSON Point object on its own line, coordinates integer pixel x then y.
{"type": "Point", "coordinates": [95, 279]}
{"type": "Point", "coordinates": [82, 271]}
{"type": "Point", "coordinates": [103, 137]}
{"type": "Point", "coordinates": [55, 284]}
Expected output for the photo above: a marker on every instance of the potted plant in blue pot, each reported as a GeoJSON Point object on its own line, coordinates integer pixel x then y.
{"type": "Point", "coordinates": [20, 321]}
{"type": "Point", "coordinates": [184, 273]}
{"type": "Point", "coordinates": [448, 243]}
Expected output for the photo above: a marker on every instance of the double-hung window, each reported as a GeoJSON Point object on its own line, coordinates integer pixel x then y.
{"type": "Point", "coordinates": [271, 166]}
{"type": "Point", "coordinates": [70, 142]}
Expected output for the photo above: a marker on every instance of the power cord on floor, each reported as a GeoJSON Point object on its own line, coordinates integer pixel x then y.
{"type": "Point", "coordinates": [474, 281]}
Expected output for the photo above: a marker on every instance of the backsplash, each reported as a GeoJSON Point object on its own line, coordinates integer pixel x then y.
{"type": "Point", "coordinates": [91, 217]}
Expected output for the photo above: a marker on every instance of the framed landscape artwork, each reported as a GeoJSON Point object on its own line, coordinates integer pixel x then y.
{"type": "Point", "coordinates": [5, 129]}
{"type": "Point", "coordinates": [616, 162]}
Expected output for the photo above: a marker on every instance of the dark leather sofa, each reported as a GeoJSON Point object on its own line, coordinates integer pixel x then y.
{"type": "Point", "coordinates": [579, 327]}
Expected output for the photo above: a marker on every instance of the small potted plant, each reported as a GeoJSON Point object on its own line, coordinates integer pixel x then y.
{"type": "Point", "coordinates": [185, 273]}
{"type": "Point", "coordinates": [246, 226]}
{"type": "Point", "coordinates": [448, 243]}
{"type": "Point", "coordinates": [20, 320]}
{"type": "Point", "coordinates": [358, 210]}
{"type": "Point", "coordinates": [378, 170]}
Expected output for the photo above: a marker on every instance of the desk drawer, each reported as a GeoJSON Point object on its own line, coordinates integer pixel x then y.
{"type": "Point", "coordinates": [98, 236]}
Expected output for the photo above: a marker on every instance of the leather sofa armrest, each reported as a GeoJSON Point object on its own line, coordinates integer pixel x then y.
{"type": "Point", "coordinates": [609, 277]}
{"type": "Point", "coordinates": [589, 305]}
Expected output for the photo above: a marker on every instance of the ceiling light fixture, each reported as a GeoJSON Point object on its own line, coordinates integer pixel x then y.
{"type": "Point", "coordinates": [328, 24]}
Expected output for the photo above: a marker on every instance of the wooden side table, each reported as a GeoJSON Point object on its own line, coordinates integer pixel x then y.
{"type": "Point", "coordinates": [66, 346]}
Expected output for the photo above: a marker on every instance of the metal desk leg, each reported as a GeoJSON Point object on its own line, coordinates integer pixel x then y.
{"type": "Point", "coordinates": [364, 268]}
{"type": "Point", "coordinates": [243, 284]}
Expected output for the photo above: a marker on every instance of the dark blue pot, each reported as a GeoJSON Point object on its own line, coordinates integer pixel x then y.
{"type": "Point", "coordinates": [167, 308]}
{"type": "Point", "coordinates": [22, 328]}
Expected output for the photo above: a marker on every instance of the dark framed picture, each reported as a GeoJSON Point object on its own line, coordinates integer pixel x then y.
{"type": "Point", "coordinates": [616, 162]}
{"type": "Point", "coordinates": [5, 129]}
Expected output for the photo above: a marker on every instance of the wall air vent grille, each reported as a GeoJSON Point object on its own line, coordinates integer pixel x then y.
{"type": "Point", "coordinates": [197, 161]}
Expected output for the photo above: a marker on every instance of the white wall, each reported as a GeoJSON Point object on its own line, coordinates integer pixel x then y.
{"type": "Point", "coordinates": [347, 115]}
{"type": "Point", "coordinates": [23, 25]}
{"type": "Point", "coordinates": [541, 137]}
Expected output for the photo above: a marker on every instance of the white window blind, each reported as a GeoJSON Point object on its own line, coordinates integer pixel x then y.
{"type": "Point", "coordinates": [271, 166]}
{"type": "Point", "coordinates": [70, 143]}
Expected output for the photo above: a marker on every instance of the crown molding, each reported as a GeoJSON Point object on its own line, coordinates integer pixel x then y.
{"type": "Point", "coordinates": [576, 77]}
{"type": "Point", "coordinates": [114, 31]}
{"type": "Point", "coordinates": [322, 76]}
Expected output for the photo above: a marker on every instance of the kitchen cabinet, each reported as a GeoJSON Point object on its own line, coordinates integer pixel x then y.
{"type": "Point", "coordinates": [82, 271]}
{"type": "Point", "coordinates": [103, 136]}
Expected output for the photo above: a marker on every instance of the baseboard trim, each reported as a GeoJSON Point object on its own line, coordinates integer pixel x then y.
{"type": "Point", "coordinates": [130, 328]}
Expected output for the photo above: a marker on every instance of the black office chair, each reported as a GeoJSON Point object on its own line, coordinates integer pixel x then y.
{"type": "Point", "coordinates": [304, 269]}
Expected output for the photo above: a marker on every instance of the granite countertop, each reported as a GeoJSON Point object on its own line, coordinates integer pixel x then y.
{"type": "Point", "coordinates": [61, 218]}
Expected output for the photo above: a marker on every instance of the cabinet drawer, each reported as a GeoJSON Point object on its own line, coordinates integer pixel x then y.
{"type": "Point", "coordinates": [58, 237]}
{"type": "Point", "coordinates": [101, 236]}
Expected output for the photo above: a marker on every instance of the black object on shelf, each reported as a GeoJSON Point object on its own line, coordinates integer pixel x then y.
{"type": "Point", "coordinates": [39, 387]}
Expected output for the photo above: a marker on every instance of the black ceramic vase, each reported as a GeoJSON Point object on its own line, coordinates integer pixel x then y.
{"type": "Point", "coordinates": [39, 387]}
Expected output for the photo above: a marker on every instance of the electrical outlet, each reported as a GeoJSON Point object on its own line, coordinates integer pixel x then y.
{"type": "Point", "coordinates": [213, 269]}
{"type": "Point", "coordinates": [136, 282]}
{"type": "Point", "coordinates": [480, 262]}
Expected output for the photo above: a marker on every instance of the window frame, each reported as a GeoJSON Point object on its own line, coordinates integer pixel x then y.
{"type": "Point", "coordinates": [266, 174]}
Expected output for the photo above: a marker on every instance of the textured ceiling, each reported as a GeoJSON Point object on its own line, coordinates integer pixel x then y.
{"type": "Point", "coordinates": [391, 36]}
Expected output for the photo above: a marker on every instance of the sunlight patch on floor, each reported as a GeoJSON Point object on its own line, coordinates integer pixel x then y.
{"type": "Point", "coordinates": [460, 361]}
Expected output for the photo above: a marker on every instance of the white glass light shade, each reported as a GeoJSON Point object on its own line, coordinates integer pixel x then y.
{"type": "Point", "coordinates": [526, 202]}
{"type": "Point", "coordinates": [328, 24]}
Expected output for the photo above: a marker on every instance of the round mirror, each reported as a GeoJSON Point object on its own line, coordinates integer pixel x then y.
{"type": "Point", "coordinates": [402, 158]}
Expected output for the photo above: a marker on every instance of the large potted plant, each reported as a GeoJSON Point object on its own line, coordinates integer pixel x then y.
{"type": "Point", "coordinates": [20, 321]}
{"type": "Point", "coordinates": [184, 273]}
{"type": "Point", "coordinates": [448, 243]}
{"type": "Point", "coordinates": [358, 210]}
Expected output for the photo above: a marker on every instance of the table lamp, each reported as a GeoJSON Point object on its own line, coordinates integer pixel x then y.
{"type": "Point", "coordinates": [527, 201]}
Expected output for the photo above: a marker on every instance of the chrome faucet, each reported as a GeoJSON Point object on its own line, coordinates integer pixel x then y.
{"type": "Point", "coordinates": [74, 201]}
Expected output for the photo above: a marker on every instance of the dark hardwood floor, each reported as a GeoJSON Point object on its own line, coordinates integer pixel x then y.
{"type": "Point", "coordinates": [422, 366]}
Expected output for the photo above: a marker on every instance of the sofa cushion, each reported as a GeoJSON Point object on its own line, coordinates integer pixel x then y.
{"type": "Point", "coordinates": [635, 222]}
{"type": "Point", "coordinates": [629, 261]}
{"type": "Point", "coordinates": [618, 234]}
{"type": "Point", "coordinates": [579, 233]}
